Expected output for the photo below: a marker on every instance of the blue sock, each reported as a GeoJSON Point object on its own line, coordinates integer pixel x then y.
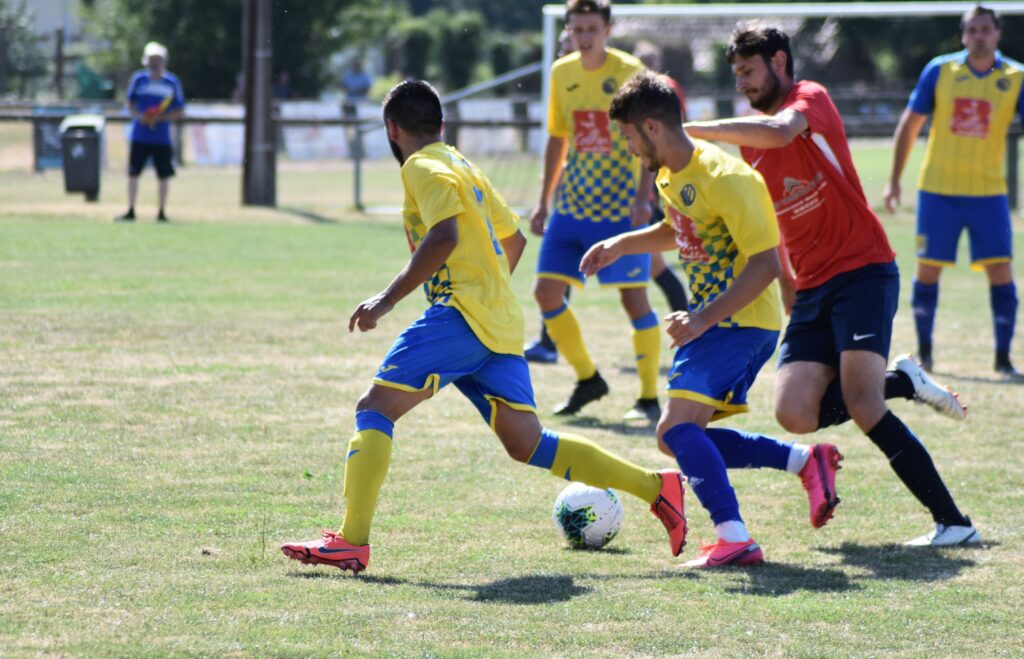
{"type": "Point", "coordinates": [704, 468]}
{"type": "Point", "coordinates": [924, 300]}
{"type": "Point", "coordinates": [1004, 314]}
{"type": "Point", "coordinates": [744, 450]}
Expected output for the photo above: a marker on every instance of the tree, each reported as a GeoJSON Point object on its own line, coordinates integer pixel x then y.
{"type": "Point", "coordinates": [204, 40]}
{"type": "Point", "coordinates": [22, 58]}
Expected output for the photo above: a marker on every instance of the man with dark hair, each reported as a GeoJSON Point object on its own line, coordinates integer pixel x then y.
{"type": "Point", "coordinates": [832, 359]}
{"type": "Point", "coordinates": [723, 225]}
{"type": "Point", "coordinates": [465, 244]}
{"type": "Point", "coordinates": [972, 97]}
{"type": "Point", "coordinates": [599, 191]}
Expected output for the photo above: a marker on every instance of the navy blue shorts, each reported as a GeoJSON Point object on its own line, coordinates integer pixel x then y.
{"type": "Point", "coordinates": [852, 311]}
{"type": "Point", "coordinates": [440, 348]}
{"type": "Point", "coordinates": [162, 155]}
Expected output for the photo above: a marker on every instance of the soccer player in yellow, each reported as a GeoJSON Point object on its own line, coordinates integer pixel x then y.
{"type": "Point", "coordinates": [722, 221]}
{"type": "Point", "coordinates": [465, 243]}
{"type": "Point", "coordinates": [597, 181]}
{"type": "Point", "coordinates": [972, 97]}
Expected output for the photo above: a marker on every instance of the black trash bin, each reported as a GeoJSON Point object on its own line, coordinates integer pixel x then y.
{"type": "Point", "coordinates": [81, 140]}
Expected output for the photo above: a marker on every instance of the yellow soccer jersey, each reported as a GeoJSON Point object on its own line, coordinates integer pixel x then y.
{"type": "Point", "coordinates": [722, 213]}
{"type": "Point", "coordinates": [439, 184]}
{"type": "Point", "coordinates": [971, 114]}
{"type": "Point", "coordinates": [600, 176]}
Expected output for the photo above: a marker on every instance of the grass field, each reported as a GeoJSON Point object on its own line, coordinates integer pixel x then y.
{"type": "Point", "coordinates": [176, 401]}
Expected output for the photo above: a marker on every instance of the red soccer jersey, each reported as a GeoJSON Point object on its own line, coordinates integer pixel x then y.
{"type": "Point", "coordinates": [826, 224]}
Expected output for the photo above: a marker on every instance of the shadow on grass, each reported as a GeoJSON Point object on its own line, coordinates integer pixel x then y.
{"type": "Point", "coordinates": [900, 562]}
{"type": "Point", "coordinates": [639, 430]}
{"type": "Point", "coordinates": [776, 579]}
{"type": "Point", "coordinates": [307, 215]}
{"type": "Point", "coordinates": [534, 589]}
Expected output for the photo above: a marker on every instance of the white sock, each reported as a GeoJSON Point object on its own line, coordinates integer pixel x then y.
{"type": "Point", "coordinates": [732, 531]}
{"type": "Point", "coordinates": [798, 456]}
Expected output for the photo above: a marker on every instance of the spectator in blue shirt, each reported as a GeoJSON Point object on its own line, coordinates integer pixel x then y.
{"type": "Point", "coordinates": [155, 99]}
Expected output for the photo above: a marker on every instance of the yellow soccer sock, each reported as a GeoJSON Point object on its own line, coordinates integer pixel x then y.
{"type": "Point", "coordinates": [647, 346]}
{"type": "Point", "coordinates": [578, 459]}
{"type": "Point", "coordinates": [369, 454]}
{"type": "Point", "coordinates": [564, 330]}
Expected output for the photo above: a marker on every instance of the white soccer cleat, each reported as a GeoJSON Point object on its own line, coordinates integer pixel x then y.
{"type": "Point", "coordinates": [948, 536]}
{"type": "Point", "coordinates": [926, 390]}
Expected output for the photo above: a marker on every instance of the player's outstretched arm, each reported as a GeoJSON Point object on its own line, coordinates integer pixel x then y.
{"type": "Point", "coordinates": [761, 269]}
{"type": "Point", "coordinates": [430, 255]}
{"type": "Point", "coordinates": [657, 238]}
{"type": "Point", "coordinates": [907, 131]}
{"type": "Point", "coordinates": [761, 132]}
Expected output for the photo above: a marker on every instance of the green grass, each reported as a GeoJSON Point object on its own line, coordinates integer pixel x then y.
{"type": "Point", "coordinates": [176, 401]}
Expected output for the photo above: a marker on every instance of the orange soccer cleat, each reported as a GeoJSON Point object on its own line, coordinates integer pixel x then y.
{"type": "Point", "coordinates": [330, 549]}
{"type": "Point", "coordinates": [668, 507]}
{"type": "Point", "coordinates": [724, 553]}
{"type": "Point", "coordinates": [819, 479]}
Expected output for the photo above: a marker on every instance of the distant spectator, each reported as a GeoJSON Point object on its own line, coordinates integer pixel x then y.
{"type": "Point", "coordinates": [356, 83]}
{"type": "Point", "coordinates": [155, 99]}
{"type": "Point", "coordinates": [281, 87]}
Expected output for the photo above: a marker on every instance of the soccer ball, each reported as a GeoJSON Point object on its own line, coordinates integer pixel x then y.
{"type": "Point", "coordinates": [587, 517]}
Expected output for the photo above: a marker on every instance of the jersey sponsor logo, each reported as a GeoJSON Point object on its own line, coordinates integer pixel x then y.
{"type": "Point", "coordinates": [592, 131]}
{"type": "Point", "coordinates": [800, 197]}
{"type": "Point", "coordinates": [688, 194]}
{"type": "Point", "coordinates": [1003, 84]}
{"type": "Point", "coordinates": [691, 248]}
{"type": "Point", "coordinates": [609, 86]}
{"type": "Point", "coordinates": [970, 117]}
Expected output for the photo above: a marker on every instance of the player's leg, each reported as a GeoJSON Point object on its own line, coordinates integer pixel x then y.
{"type": "Point", "coordinates": [412, 371]}
{"type": "Point", "coordinates": [502, 393]}
{"type": "Point", "coordinates": [991, 236]}
{"type": "Point", "coordinates": [862, 374]}
{"type": "Point", "coordinates": [631, 274]}
{"type": "Point", "coordinates": [558, 266]}
{"type": "Point", "coordinates": [647, 337]}
{"type": "Point", "coordinates": [862, 317]}
{"type": "Point", "coordinates": [939, 223]}
{"type": "Point", "coordinates": [163, 158]}
{"type": "Point", "coordinates": [137, 157]}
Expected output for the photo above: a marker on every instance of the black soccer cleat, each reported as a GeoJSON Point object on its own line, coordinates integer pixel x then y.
{"type": "Point", "coordinates": [586, 391]}
{"type": "Point", "coordinates": [1005, 367]}
{"type": "Point", "coordinates": [645, 409]}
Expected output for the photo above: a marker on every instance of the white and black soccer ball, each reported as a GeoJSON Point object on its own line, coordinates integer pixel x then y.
{"type": "Point", "coordinates": [587, 517]}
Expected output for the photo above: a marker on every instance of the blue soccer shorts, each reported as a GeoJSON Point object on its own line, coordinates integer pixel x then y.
{"type": "Point", "coordinates": [719, 367]}
{"type": "Point", "coordinates": [852, 311]}
{"type": "Point", "coordinates": [942, 218]}
{"type": "Point", "coordinates": [567, 239]}
{"type": "Point", "coordinates": [440, 348]}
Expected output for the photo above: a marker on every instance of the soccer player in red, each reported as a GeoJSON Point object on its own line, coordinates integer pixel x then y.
{"type": "Point", "coordinates": [843, 297]}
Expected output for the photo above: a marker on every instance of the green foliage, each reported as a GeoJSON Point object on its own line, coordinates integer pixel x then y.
{"type": "Point", "coordinates": [414, 40]}
{"type": "Point", "coordinates": [22, 58]}
{"type": "Point", "coordinates": [204, 40]}
{"type": "Point", "coordinates": [460, 47]}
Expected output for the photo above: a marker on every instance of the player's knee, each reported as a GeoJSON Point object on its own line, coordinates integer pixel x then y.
{"type": "Point", "coordinates": [518, 431]}
{"type": "Point", "coordinates": [796, 419]}
{"type": "Point", "coordinates": [866, 409]}
{"type": "Point", "coordinates": [548, 297]}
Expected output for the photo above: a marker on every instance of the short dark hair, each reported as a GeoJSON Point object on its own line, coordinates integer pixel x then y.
{"type": "Point", "coordinates": [646, 95]}
{"type": "Point", "coordinates": [759, 39]}
{"type": "Point", "coordinates": [602, 7]}
{"type": "Point", "coordinates": [415, 106]}
{"type": "Point", "coordinates": [978, 10]}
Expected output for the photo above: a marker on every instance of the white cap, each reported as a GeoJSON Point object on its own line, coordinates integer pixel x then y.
{"type": "Point", "coordinates": [154, 48]}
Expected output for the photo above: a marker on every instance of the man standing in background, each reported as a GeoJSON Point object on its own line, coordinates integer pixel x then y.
{"type": "Point", "coordinates": [155, 99]}
{"type": "Point", "coordinates": [972, 97]}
